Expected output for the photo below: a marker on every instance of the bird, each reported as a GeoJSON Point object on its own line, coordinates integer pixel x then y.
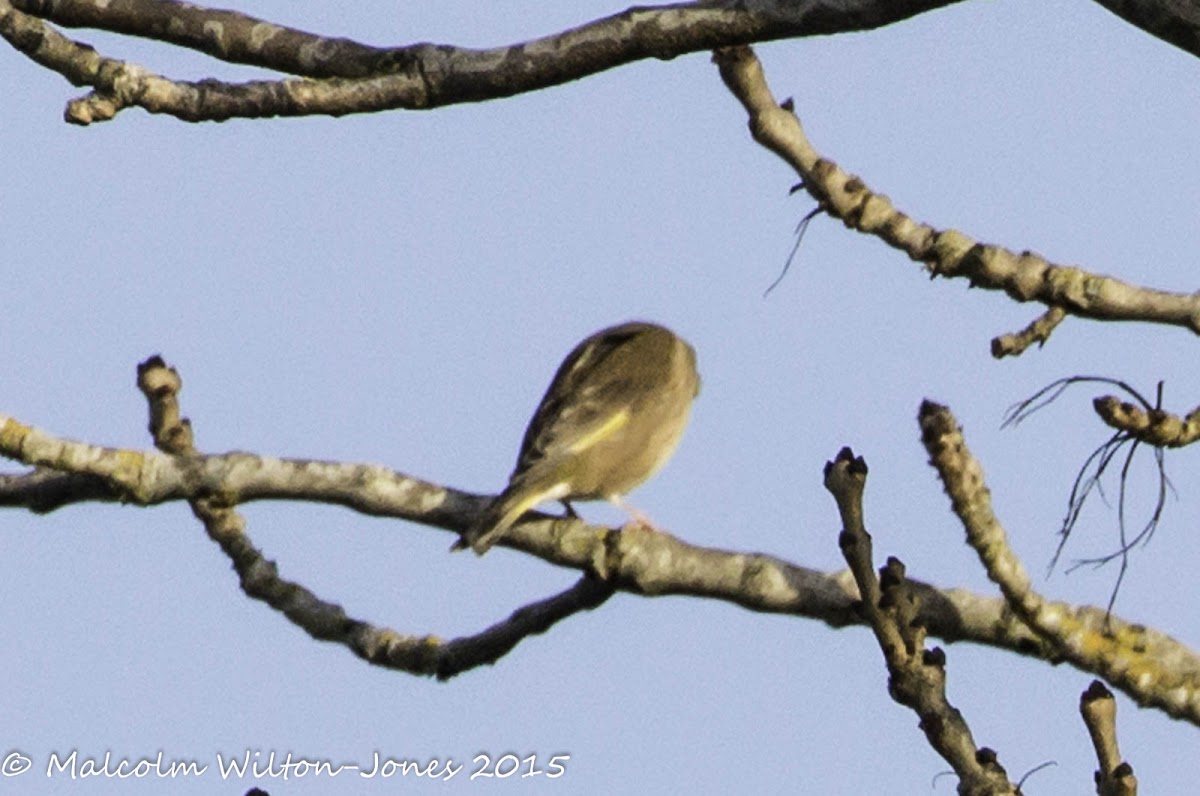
{"type": "Point", "coordinates": [611, 418]}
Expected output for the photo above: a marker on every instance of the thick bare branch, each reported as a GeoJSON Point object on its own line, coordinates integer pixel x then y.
{"type": "Point", "coordinates": [640, 559]}
{"type": "Point", "coordinates": [240, 38]}
{"type": "Point", "coordinates": [41, 43]}
{"type": "Point", "coordinates": [948, 253]}
{"type": "Point", "coordinates": [1173, 21]}
{"type": "Point", "coordinates": [227, 35]}
{"type": "Point", "coordinates": [361, 79]}
{"type": "Point", "coordinates": [636, 559]}
{"type": "Point", "coordinates": [1089, 638]}
{"type": "Point", "coordinates": [661, 31]}
{"type": "Point", "coordinates": [148, 478]}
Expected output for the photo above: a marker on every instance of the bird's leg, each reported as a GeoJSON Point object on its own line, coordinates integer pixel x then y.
{"type": "Point", "coordinates": [571, 513]}
{"type": "Point", "coordinates": [638, 517]}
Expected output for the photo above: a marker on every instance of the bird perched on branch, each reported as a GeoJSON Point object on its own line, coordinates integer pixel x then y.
{"type": "Point", "coordinates": [610, 419]}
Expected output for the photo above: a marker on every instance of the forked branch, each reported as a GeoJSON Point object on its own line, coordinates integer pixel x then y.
{"type": "Point", "coordinates": [637, 559]}
{"type": "Point", "coordinates": [326, 621]}
{"type": "Point", "coordinates": [1089, 638]}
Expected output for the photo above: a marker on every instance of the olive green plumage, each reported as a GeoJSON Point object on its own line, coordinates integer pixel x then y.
{"type": "Point", "coordinates": [610, 419]}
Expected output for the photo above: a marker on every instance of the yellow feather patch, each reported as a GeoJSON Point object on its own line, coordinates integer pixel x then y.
{"type": "Point", "coordinates": [610, 426]}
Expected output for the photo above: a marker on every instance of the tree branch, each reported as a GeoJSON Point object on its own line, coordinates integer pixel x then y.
{"type": "Point", "coordinates": [1089, 639]}
{"type": "Point", "coordinates": [635, 559]}
{"type": "Point", "coordinates": [350, 77]}
{"type": "Point", "coordinates": [641, 560]}
{"type": "Point", "coordinates": [1099, 711]}
{"type": "Point", "coordinates": [1152, 426]}
{"type": "Point", "coordinates": [659, 31]}
{"type": "Point", "coordinates": [226, 35]}
{"type": "Point", "coordinates": [916, 676]}
{"type": "Point", "coordinates": [947, 253]}
{"type": "Point", "coordinates": [1011, 345]}
{"type": "Point", "coordinates": [325, 621]}
{"type": "Point", "coordinates": [356, 78]}
{"type": "Point", "coordinates": [1176, 22]}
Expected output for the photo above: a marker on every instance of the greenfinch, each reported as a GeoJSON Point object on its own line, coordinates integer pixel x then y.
{"type": "Point", "coordinates": [611, 418]}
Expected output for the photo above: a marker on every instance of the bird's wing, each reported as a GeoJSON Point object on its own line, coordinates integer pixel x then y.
{"type": "Point", "coordinates": [574, 413]}
{"type": "Point", "coordinates": [570, 427]}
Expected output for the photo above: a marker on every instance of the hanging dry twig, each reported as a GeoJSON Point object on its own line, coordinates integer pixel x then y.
{"type": "Point", "coordinates": [1148, 425]}
{"type": "Point", "coordinates": [801, 228]}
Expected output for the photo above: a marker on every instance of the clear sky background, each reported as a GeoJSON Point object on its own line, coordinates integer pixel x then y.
{"type": "Point", "coordinates": [399, 288]}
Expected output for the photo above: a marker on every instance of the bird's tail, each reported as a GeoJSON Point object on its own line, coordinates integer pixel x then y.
{"type": "Point", "coordinates": [502, 513]}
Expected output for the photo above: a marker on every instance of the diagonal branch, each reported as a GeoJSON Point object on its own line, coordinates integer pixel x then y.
{"type": "Point", "coordinates": [381, 646]}
{"type": "Point", "coordinates": [947, 253]}
{"type": "Point", "coordinates": [461, 654]}
{"type": "Point", "coordinates": [41, 43]}
{"type": "Point", "coordinates": [1134, 658]}
{"type": "Point", "coordinates": [916, 675]}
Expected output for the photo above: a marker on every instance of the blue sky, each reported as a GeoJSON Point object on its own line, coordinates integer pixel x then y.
{"type": "Point", "coordinates": [399, 288]}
